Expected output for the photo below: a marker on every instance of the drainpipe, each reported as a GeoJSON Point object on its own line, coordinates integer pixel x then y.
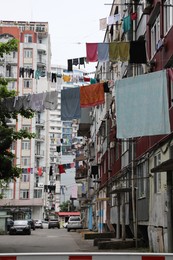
{"type": "Point", "coordinates": [170, 211]}
{"type": "Point", "coordinates": [134, 200]}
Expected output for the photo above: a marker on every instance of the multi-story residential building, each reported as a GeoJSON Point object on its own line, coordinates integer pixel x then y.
{"type": "Point", "coordinates": [30, 69]}
{"type": "Point", "coordinates": [132, 178]}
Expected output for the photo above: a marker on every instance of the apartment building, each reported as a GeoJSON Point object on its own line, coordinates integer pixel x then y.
{"type": "Point", "coordinates": [130, 179]}
{"type": "Point", "coordinates": [30, 69]}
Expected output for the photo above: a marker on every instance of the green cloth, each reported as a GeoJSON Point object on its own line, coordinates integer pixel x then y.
{"type": "Point", "coordinates": [119, 51]}
{"type": "Point", "coordinates": [127, 24]}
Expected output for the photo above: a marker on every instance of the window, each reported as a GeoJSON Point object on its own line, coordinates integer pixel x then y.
{"type": "Point", "coordinates": [7, 194]}
{"type": "Point", "coordinates": [26, 145]}
{"type": "Point", "coordinates": [28, 38]}
{"type": "Point", "coordinates": [25, 161]}
{"type": "Point", "coordinates": [27, 83]}
{"type": "Point", "coordinates": [27, 53]}
{"type": "Point", "coordinates": [168, 15]}
{"type": "Point", "coordinates": [25, 177]}
{"type": "Point", "coordinates": [24, 194]}
{"type": "Point", "coordinates": [38, 194]}
{"type": "Point", "coordinates": [155, 35]}
{"type": "Point", "coordinates": [27, 128]}
{"type": "Point", "coordinates": [142, 170]}
{"type": "Point", "coordinates": [157, 175]}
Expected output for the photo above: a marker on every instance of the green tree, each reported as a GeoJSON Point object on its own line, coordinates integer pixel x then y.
{"type": "Point", "coordinates": [64, 207]}
{"type": "Point", "coordinates": [9, 135]}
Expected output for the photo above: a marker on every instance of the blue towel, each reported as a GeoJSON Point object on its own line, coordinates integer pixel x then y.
{"type": "Point", "coordinates": [142, 105]}
{"type": "Point", "coordinates": [70, 104]}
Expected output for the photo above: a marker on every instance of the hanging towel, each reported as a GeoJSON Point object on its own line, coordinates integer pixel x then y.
{"type": "Point", "coordinates": [92, 95]}
{"type": "Point", "coordinates": [137, 52]}
{"type": "Point", "coordinates": [70, 104]}
{"type": "Point", "coordinates": [103, 23]}
{"type": "Point", "coordinates": [103, 51]}
{"type": "Point", "coordinates": [126, 23]}
{"type": "Point", "coordinates": [92, 52]}
{"type": "Point", "coordinates": [51, 100]}
{"type": "Point", "coordinates": [119, 51]}
{"type": "Point", "coordinates": [142, 105]}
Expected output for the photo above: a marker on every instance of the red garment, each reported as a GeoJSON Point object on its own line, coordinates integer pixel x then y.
{"type": "Point", "coordinates": [86, 79]}
{"type": "Point", "coordinates": [91, 52]}
{"type": "Point", "coordinates": [40, 171]}
{"type": "Point", "coordinates": [92, 95]}
{"type": "Point", "coordinates": [61, 168]}
{"type": "Point", "coordinates": [28, 170]}
{"type": "Point", "coordinates": [133, 16]}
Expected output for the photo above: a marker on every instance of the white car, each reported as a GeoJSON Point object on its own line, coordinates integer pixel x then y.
{"type": "Point", "coordinates": [74, 222]}
{"type": "Point", "coordinates": [39, 224]}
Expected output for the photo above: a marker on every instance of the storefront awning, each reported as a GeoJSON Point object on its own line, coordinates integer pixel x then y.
{"type": "Point", "coordinates": [164, 166]}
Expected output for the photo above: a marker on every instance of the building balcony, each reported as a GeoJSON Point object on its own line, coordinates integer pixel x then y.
{"type": "Point", "coordinates": [39, 123]}
{"type": "Point", "coordinates": [39, 154]}
{"type": "Point", "coordinates": [40, 138]}
{"type": "Point", "coordinates": [41, 61]}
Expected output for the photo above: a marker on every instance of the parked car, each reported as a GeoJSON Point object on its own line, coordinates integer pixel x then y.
{"type": "Point", "coordinates": [39, 224]}
{"type": "Point", "coordinates": [45, 223]}
{"type": "Point", "coordinates": [10, 223]}
{"type": "Point", "coordinates": [31, 223]}
{"type": "Point", "coordinates": [53, 223]}
{"type": "Point", "coordinates": [20, 227]}
{"type": "Point", "coordinates": [74, 222]}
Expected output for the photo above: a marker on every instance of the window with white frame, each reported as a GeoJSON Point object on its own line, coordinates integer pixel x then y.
{"type": "Point", "coordinates": [27, 83]}
{"type": "Point", "coordinates": [28, 38]}
{"type": "Point", "coordinates": [24, 194]}
{"type": "Point", "coordinates": [155, 35]}
{"type": "Point", "coordinates": [38, 194]}
{"type": "Point", "coordinates": [142, 170]}
{"type": "Point", "coordinates": [25, 177]}
{"type": "Point", "coordinates": [26, 161]}
{"type": "Point", "coordinates": [27, 53]}
{"type": "Point", "coordinates": [168, 15]}
{"type": "Point", "coordinates": [26, 145]}
{"type": "Point", "coordinates": [157, 175]}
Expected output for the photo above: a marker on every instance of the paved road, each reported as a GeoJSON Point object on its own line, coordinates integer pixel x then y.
{"type": "Point", "coordinates": [46, 240]}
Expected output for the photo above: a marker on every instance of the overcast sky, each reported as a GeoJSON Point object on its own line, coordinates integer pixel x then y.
{"type": "Point", "coordinates": [72, 23]}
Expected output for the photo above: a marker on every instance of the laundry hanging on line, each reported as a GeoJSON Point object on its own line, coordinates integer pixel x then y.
{"type": "Point", "coordinates": [36, 102]}
{"type": "Point", "coordinates": [117, 51]}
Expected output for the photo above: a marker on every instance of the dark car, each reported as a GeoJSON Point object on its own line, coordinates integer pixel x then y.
{"type": "Point", "coordinates": [20, 227]}
{"type": "Point", "coordinates": [10, 223]}
{"type": "Point", "coordinates": [31, 222]}
{"type": "Point", "coordinates": [53, 223]}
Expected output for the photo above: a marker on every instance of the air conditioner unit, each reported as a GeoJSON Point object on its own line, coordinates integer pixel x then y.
{"type": "Point", "coordinates": [40, 185]}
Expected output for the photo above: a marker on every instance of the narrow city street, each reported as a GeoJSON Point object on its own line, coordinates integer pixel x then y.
{"type": "Point", "coordinates": [46, 240]}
